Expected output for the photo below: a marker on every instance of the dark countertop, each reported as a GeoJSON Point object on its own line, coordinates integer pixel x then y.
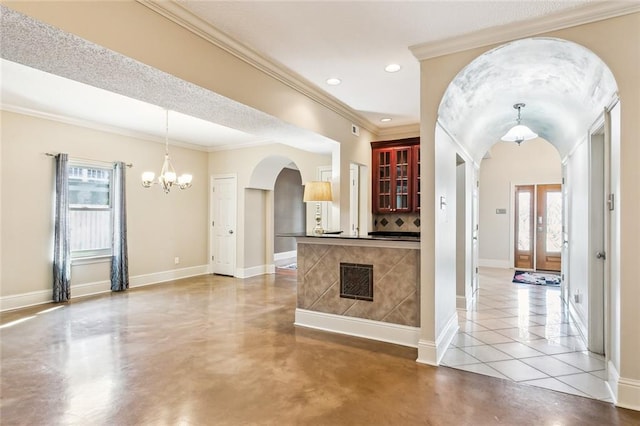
{"type": "Point", "coordinates": [342, 236]}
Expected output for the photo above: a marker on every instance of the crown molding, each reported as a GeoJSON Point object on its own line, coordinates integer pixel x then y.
{"type": "Point", "coordinates": [596, 11]}
{"type": "Point", "coordinates": [399, 132]}
{"type": "Point", "coordinates": [87, 124]}
{"type": "Point", "coordinates": [178, 14]}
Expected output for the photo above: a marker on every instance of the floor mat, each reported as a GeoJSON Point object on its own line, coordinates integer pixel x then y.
{"type": "Point", "coordinates": [536, 278]}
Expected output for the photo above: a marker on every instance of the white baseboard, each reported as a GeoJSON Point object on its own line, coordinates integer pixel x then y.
{"type": "Point", "coordinates": [375, 330]}
{"type": "Point", "coordinates": [625, 392]}
{"type": "Point", "coordinates": [285, 255]}
{"type": "Point", "coordinates": [255, 271]}
{"type": "Point", "coordinates": [174, 274]}
{"type": "Point", "coordinates": [430, 352]}
{"type": "Point", "coordinates": [494, 263]}
{"type": "Point", "coordinates": [612, 380]}
{"type": "Point", "coordinates": [80, 290]}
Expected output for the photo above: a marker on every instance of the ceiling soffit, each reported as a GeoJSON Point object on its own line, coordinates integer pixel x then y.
{"type": "Point", "coordinates": [37, 45]}
{"type": "Point", "coordinates": [564, 85]}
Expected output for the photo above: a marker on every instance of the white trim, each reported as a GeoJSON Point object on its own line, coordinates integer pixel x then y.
{"type": "Point", "coordinates": [180, 15]}
{"type": "Point", "coordinates": [466, 156]}
{"type": "Point", "coordinates": [427, 352]}
{"type": "Point", "coordinates": [494, 263]}
{"type": "Point", "coordinates": [40, 297]}
{"type": "Point", "coordinates": [101, 127]}
{"type": "Point", "coordinates": [612, 380]}
{"type": "Point", "coordinates": [430, 352]}
{"type": "Point", "coordinates": [359, 327]}
{"type": "Point", "coordinates": [254, 271]}
{"type": "Point", "coordinates": [175, 274]}
{"type": "Point", "coordinates": [625, 392]}
{"type": "Point", "coordinates": [285, 255]}
{"type": "Point", "coordinates": [628, 394]}
{"type": "Point", "coordinates": [400, 132]}
{"type": "Point", "coordinates": [596, 11]}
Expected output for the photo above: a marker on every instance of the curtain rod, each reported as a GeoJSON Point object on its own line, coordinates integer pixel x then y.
{"type": "Point", "coordinates": [89, 159]}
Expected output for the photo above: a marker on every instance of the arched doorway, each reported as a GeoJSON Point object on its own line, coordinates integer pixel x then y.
{"type": "Point", "coordinates": [566, 89]}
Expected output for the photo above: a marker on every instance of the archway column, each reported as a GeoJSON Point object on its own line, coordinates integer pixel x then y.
{"type": "Point", "coordinates": [438, 317]}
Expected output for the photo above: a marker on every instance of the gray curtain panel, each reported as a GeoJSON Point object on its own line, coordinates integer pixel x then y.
{"type": "Point", "coordinates": [61, 245]}
{"type": "Point", "coordinates": [120, 257]}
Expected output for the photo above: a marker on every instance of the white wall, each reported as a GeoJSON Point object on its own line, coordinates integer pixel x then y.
{"type": "Point", "coordinates": [160, 226]}
{"type": "Point", "coordinates": [577, 182]}
{"type": "Point", "coordinates": [535, 161]}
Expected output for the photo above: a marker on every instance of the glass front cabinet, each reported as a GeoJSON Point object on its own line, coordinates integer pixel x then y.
{"type": "Point", "coordinates": [395, 167]}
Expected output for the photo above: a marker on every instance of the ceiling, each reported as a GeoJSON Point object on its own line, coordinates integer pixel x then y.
{"type": "Point", "coordinates": [354, 41]}
{"type": "Point", "coordinates": [312, 40]}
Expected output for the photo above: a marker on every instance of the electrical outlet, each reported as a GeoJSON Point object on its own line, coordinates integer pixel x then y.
{"type": "Point", "coordinates": [176, 260]}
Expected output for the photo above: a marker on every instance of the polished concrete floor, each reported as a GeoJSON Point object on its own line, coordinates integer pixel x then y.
{"type": "Point", "coordinates": [215, 350]}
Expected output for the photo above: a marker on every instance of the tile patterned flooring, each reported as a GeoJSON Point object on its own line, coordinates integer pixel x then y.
{"type": "Point", "coordinates": [524, 333]}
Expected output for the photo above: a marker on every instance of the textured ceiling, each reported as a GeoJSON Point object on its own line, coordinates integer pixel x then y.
{"type": "Point", "coordinates": [564, 86]}
{"type": "Point", "coordinates": [42, 47]}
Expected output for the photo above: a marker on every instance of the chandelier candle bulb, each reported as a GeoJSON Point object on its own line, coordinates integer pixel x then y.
{"type": "Point", "coordinates": [168, 177]}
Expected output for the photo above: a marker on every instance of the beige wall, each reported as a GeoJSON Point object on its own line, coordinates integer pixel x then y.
{"type": "Point", "coordinates": [160, 227]}
{"type": "Point", "coordinates": [174, 49]}
{"type": "Point", "coordinates": [616, 41]}
{"type": "Point", "coordinates": [535, 161]}
{"type": "Point", "coordinates": [253, 209]}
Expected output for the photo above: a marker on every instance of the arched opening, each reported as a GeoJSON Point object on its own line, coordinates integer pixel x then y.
{"type": "Point", "coordinates": [566, 89]}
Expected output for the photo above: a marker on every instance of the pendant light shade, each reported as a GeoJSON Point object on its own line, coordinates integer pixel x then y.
{"type": "Point", "coordinates": [519, 133]}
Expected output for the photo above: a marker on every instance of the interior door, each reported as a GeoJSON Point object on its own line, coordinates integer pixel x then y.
{"type": "Point", "coordinates": [549, 227]}
{"type": "Point", "coordinates": [524, 242]}
{"type": "Point", "coordinates": [597, 242]}
{"type": "Point", "coordinates": [223, 222]}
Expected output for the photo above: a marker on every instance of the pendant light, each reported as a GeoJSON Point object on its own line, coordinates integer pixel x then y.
{"type": "Point", "coordinates": [519, 132]}
{"type": "Point", "coordinates": [168, 176]}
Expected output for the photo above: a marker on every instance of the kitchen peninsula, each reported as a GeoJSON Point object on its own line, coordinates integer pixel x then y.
{"type": "Point", "coordinates": [365, 286]}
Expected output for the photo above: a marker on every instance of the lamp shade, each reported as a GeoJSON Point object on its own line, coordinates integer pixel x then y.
{"type": "Point", "coordinates": [518, 134]}
{"type": "Point", "coordinates": [317, 191]}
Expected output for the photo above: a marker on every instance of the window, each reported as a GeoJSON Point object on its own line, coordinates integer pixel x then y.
{"type": "Point", "coordinates": [89, 210]}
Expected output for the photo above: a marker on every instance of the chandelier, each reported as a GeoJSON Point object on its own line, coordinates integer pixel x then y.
{"type": "Point", "coordinates": [168, 176]}
{"type": "Point", "coordinates": [519, 132]}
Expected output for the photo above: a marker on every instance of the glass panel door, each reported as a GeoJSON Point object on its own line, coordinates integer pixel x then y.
{"type": "Point", "coordinates": [524, 226]}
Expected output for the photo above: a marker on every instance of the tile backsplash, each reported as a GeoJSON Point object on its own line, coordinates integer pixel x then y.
{"type": "Point", "coordinates": [406, 222]}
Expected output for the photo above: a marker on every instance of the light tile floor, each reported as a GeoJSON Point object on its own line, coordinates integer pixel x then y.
{"type": "Point", "coordinates": [524, 333]}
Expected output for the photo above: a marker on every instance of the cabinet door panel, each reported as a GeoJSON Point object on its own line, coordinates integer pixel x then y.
{"type": "Point", "coordinates": [393, 179]}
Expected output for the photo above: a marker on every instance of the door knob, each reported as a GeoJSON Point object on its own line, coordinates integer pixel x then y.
{"type": "Point", "coordinates": [231, 231]}
{"type": "Point", "coordinates": [601, 255]}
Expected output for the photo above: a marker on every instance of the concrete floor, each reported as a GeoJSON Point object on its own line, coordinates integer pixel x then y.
{"type": "Point", "coordinates": [224, 351]}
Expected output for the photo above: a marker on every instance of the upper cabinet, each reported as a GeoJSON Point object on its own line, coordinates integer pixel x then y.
{"type": "Point", "coordinates": [396, 181]}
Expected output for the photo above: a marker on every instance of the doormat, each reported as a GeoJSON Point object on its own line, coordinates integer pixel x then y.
{"type": "Point", "coordinates": [536, 278]}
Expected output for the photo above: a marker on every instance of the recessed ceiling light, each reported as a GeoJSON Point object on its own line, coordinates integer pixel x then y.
{"type": "Point", "coordinates": [333, 81]}
{"type": "Point", "coordinates": [392, 68]}
{"type": "Point", "coordinates": [385, 120]}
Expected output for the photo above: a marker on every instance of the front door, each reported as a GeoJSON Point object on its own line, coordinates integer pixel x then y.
{"type": "Point", "coordinates": [524, 242]}
{"type": "Point", "coordinates": [549, 227]}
